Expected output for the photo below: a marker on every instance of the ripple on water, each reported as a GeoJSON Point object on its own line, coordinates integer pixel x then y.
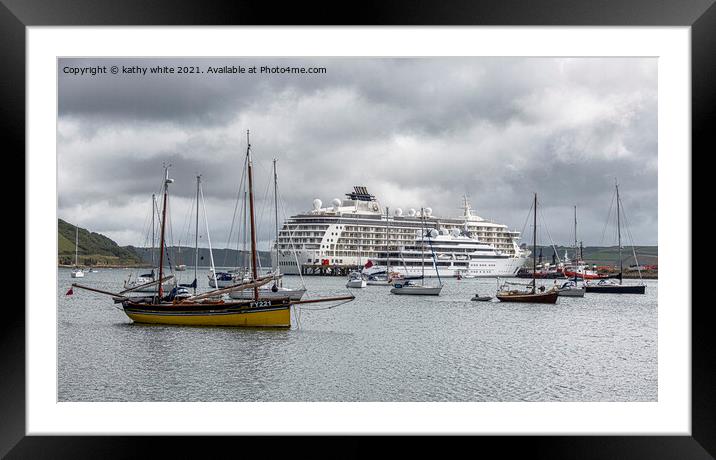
{"type": "Point", "coordinates": [381, 347]}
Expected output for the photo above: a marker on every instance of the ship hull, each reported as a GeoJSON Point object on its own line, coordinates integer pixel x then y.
{"type": "Point", "coordinates": [584, 276]}
{"type": "Point", "coordinates": [491, 268]}
{"type": "Point", "coordinates": [546, 297]}
{"type": "Point", "coordinates": [617, 289]}
{"type": "Point", "coordinates": [268, 313]}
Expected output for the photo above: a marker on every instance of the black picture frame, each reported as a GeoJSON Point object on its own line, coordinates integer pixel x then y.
{"type": "Point", "coordinates": [16, 15]}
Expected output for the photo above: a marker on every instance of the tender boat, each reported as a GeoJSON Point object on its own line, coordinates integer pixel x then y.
{"type": "Point", "coordinates": [481, 298]}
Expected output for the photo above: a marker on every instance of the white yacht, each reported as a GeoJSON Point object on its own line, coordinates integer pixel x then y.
{"type": "Point", "coordinates": [355, 230]}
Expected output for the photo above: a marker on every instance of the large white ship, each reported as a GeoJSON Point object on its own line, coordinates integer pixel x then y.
{"type": "Point", "coordinates": [358, 229]}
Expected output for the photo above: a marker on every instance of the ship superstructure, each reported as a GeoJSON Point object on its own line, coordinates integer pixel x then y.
{"type": "Point", "coordinates": [357, 229]}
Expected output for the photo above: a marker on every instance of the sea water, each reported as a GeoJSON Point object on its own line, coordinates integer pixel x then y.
{"type": "Point", "coordinates": [379, 347]}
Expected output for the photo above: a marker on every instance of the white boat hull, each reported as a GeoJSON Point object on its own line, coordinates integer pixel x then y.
{"type": "Point", "coordinates": [356, 284]}
{"type": "Point", "coordinates": [416, 290]}
{"type": "Point", "coordinates": [572, 292]}
{"type": "Point", "coordinates": [166, 286]}
{"type": "Point", "coordinates": [78, 274]}
{"type": "Point", "coordinates": [224, 283]}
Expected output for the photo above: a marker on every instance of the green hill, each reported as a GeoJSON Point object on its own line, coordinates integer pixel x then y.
{"type": "Point", "coordinates": [93, 248]}
{"type": "Point", "coordinates": [185, 255]}
{"type": "Point", "coordinates": [606, 255]}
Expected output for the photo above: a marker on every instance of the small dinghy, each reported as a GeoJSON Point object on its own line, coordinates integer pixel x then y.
{"type": "Point", "coordinates": [482, 298]}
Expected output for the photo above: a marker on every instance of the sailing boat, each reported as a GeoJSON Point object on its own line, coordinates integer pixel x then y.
{"type": "Point", "coordinates": [355, 280]}
{"type": "Point", "coordinates": [610, 286]}
{"type": "Point", "coordinates": [578, 269]}
{"type": "Point", "coordinates": [570, 288]}
{"type": "Point", "coordinates": [77, 271]}
{"type": "Point", "coordinates": [505, 294]}
{"type": "Point", "coordinates": [179, 267]}
{"type": "Point", "coordinates": [209, 309]}
{"type": "Point", "coordinates": [407, 287]}
{"type": "Point", "coordinates": [383, 278]}
{"type": "Point", "coordinates": [146, 282]}
{"type": "Point", "coordinates": [277, 290]}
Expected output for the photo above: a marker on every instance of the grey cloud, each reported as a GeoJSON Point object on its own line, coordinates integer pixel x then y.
{"type": "Point", "coordinates": [417, 132]}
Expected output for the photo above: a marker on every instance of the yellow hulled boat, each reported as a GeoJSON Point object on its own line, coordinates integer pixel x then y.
{"type": "Point", "coordinates": [209, 308]}
{"type": "Point", "coordinates": [262, 313]}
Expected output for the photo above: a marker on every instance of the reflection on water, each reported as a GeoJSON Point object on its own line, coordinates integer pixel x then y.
{"type": "Point", "coordinates": [380, 347]}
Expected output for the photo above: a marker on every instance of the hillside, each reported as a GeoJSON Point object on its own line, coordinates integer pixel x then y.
{"type": "Point", "coordinates": [609, 255]}
{"type": "Point", "coordinates": [93, 248]}
{"type": "Point", "coordinates": [185, 255]}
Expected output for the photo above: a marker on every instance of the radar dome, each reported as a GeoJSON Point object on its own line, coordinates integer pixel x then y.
{"type": "Point", "coordinates": [317, 204]}
{"type": "Point", "coordinates": [428, 211]}
{"type": "Point", "coordinates": [336, 203]}
{"type": "Point", "coordinates": [444, 231]}
{"type": "Point", "coordinates": [455, 232]}
{"type": "Point", "coordinates": [398, 212]}
{"type": "Point", "coordinates": [411, 213]}
{"type": "Point", "coordinates": [433, 233]}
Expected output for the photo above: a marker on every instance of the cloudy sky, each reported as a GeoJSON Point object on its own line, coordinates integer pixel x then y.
{"type": "Point", "coordinates": [416, 132]}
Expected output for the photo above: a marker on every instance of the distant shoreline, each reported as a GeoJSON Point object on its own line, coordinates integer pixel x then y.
{"type": "Point", "coordinates": [104, 266]}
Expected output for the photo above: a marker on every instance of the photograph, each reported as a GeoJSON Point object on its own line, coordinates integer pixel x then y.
{"type": "Point", "coordinates": [357, 229]}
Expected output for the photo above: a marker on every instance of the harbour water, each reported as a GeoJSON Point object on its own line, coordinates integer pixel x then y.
{"type": "Point", "coordinates": [380, 347]}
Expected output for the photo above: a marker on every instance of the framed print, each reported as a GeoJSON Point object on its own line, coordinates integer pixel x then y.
{"type": "Point", "coordinates": [412, 220]}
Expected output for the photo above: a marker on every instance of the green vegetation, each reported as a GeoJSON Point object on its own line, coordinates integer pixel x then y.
{"type": "Point", "coordinates": [93, 248]}
{"type": "Point", "coordinates": [185, 255]}
{"type": "Point", "coordinates": [609, 255]}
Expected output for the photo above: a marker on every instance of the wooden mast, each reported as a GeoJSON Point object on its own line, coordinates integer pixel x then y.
{"type": "Point", "coordinates": [154, 236]}
{"type": "Point", "coordinates": [534, 249]}
{"type": "Point", "coordinates": [619, 235]}
{"type": "Point", "coordinates": [196, 236]}
{"type": "Point", "coordinates": [167, 181]}
{"type": "Point", "coordinates": [254, 263]}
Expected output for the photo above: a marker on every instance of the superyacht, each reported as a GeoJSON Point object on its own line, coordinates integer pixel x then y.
{"type": "Point", "coordinates": [357, 231]}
